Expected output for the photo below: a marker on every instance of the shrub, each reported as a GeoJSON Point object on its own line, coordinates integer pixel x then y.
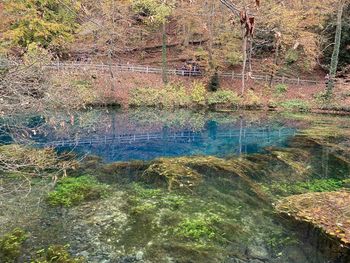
{"type": "Point", "coordinates": [292, 56]}
{"type": "Point", "coordinates": [214, 83]}
{"type": "Point", "coordinates": [201, 54]}
{"type": "Point", "coordinates": [251, 100]}
{"type": "Point", "coordinates": [322, 97]}
{"type": "Point", "coordinates": [234, 58]}
{"type": "Point", "coordinates": [74, 190]}
{"type": "Point", "coordinates": [147, 97]}
{"type": "Point", "coordinates": [225, 97]}
{"type": "Point", "coordinates": [173, 96]}
{"type": "Point", "coordinates": [10, 245]}
{"type": "Point", "coordinates": [281, 89]}
{"type": "Point", "coordinates": [199, 94]}
{"type": "Point", "coordinates": [295, 105]}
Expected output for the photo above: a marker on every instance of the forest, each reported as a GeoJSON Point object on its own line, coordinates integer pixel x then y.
{"type": "Point", "coordinates": [182, 131]}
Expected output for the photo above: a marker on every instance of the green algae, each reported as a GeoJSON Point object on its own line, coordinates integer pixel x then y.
{"type": "Point", "coordinates": [56, 254]}
{"type": "Point", "coordinates": [313, 185]}
{"type": "Point", "coordinates": [200, 228]}
{"type": "Point", "coordinates": [72, 191]}
{"type": "Point", "coordinates": [11, 245]}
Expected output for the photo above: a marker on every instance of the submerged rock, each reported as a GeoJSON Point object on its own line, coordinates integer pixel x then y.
{"type": "Point", "coordinates": [258, 252]}
{"type": "Point", "coordinates": [329, 213]}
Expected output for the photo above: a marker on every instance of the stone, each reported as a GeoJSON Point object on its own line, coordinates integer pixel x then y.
{"type": "Point", "coordinates": [258, 252]}
{"type": "Point", "coordinates": [139, 255]}
{"type": "Point", "coordinates": [84, 254]}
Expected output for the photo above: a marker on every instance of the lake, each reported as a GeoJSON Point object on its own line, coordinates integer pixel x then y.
{"type": "Point", "coordinates": [187, 186]}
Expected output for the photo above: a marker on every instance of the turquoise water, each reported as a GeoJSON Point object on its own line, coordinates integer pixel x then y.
{"type": "Point", "coordinates": [231, 167]}
{"type": "Point", "coordinates": [123, 136]}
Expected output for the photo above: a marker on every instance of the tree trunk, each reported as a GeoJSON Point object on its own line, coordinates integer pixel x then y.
{"type": "Point", "coordinates": [244, 50]}
{"type": "Point", "coordinates": [210, 26]}
{"type": "Point", "coordinates": [275, 62]}
{"type": "Point", "coordinates": [164, 55]}
{"type": "Point", "coordinates": [335, 55]}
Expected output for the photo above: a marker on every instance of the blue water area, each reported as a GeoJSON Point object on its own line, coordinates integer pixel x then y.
{"type": "Point", "coordinates": [123, 136]}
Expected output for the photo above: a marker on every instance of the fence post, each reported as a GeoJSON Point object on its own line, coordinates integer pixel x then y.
{"type": "Point", "coordinates": [233, 74]}
{"type": "Point", "coordinates": [283, 79]}
{"type": "Point", "coordinates": [147, 70]}
{"type": "Point", "coordinates": [298, 81]}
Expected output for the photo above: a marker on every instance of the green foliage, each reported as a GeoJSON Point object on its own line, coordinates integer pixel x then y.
{"type": "Point", "coordinates": [11, 244]}
{"type": "Point", "coordinates": [36, 55]}
{"type": "Point", "coordinates": [56, 254]}
{"type": "Point", "coordinates": [252, 100]}
{"type": "Point", "coordinates": [146, 97]}
{"type": "Point", "coordinates": [214, 83]}
{"type": "Point", "coordinates": [234, 58]}
{"type": "Point", "coordinates": [171, 96]}
{"type": "Point", "coordinates": [174, 96]}
{"type": "Point", "coordinates": [199, 94]}
{"type": "Point", "coordinates": [295, 105]}
{"type": "Point", "coordinates": [322, 97]}
{"type": "Point", "coordinates": [291, 56]}
{"type": "Point", "coordinates": [225, 97]}
{"type": "Point", "coordinates": [281, 89]}
{"type": "Point", "coordinates": [72, 191]}
{"type": "Point", "coordinates": [47, 23]}
{"type": "Point", "coordinates": [200, 228]}
{"type": "Point", "coordinates": [143, 209]}
{"type": "Point", "coordinates": [156, 12]}
{"type": "Point", "coordinates": [201, 54]}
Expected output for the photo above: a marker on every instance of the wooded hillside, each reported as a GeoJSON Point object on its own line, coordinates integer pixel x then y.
{"type": "Point", "coordinates": [291, 35]}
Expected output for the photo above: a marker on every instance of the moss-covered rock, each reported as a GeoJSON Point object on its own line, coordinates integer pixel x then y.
{"type": "Point", "coordinates": [328, 211]}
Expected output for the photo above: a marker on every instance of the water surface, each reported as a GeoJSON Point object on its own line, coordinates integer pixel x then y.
{"type": "Point", "coordinates": [231, 167]}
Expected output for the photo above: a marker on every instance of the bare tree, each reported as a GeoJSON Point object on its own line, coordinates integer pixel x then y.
{"type": "Point", "coordinates": [247, 20]}
{"type": "Point", "coordinates": [335, 55]}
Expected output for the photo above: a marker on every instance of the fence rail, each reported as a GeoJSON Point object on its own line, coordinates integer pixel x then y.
{"type": "Point", "coordinates": [256, 76]}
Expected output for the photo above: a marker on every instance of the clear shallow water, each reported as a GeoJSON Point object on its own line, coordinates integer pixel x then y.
{"type": "Point", "coordinates": [121, 136]}
{"type": "Point", "coordinates": [230, 200]}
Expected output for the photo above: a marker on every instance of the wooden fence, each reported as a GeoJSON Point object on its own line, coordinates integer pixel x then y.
{"type": "Point", "coordinates": [256, 76]}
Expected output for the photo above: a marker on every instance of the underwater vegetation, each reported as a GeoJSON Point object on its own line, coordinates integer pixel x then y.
{"type": "Point", "coordinates": [192, 209]}
{"type": "Point", "coordinates": [71, 191]}
{"type": "Point", "coordinates": [328, 211]}
{"type": "Point", "coordinates": [56, 254]}
{"type": "Point", "coordinates": [11, 244]}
